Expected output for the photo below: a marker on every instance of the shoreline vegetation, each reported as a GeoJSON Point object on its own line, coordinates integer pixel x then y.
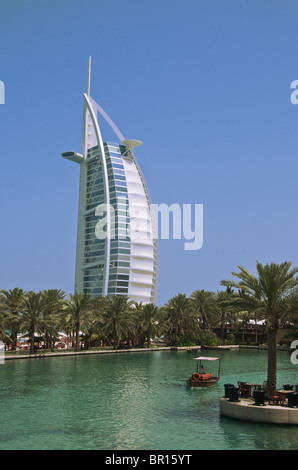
{"type": "Point", "coordinates": [93, 351]}
{"type": "Point", "coordinates": [250, 311]}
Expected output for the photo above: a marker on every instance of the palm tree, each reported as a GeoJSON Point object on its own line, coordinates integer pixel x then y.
{"type": "Point", "coordinates": [11, 302]}
{"type": "Point", "coordinates": [33, 315]}
{"type": "Point", "coordinates": [54, 300]}
{"type": "Point", "coordinates": [118, 318]}
{"type": "Point", "coordinates": [292, 335]}
{"type": "Point", "coordinates": [248, 315]}
{"type": "Point", "coordinates": [93, 328]}
{"type": "Point", "coordinates": [181, 318]}
{"type": "Point", "coordinates": [149, 321]}
{"type": "Point", "coordinates": [204, 305]}
{"type": "Point", "coordinates": [271, 296]}
{"type": "Point", "coordinates": [138, 305]}
{"type": "Point", "coordinates": [77, 313]}
{"type": "Point", "coordinates": [3, 335]}
{"type": "Point", "coordinates": [226, 311]}
{"type": "Point", "coordinates": [99, 306]}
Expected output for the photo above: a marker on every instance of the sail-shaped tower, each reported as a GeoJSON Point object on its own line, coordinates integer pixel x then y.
{"type": "Point", "coordinates": [117, 250]}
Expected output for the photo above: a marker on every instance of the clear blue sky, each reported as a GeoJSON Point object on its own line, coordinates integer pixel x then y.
{"type": "Point", "coordinates": [204, 84]}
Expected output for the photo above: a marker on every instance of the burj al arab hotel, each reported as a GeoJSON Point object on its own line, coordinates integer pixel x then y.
{"type": "Point", "coordinates": [117, 250]}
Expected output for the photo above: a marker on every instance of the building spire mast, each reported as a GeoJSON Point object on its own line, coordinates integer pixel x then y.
{"type": "Point", "coordinates": [86, 116]}
{"type": "Point", "coordinates": [88, 77]}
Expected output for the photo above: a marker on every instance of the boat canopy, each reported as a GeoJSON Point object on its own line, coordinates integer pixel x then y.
{"type": "Point", "coordinates": [201, 358]}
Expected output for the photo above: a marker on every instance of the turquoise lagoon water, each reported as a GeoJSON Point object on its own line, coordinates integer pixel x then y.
{"type": "Point", "coordinates": [135, 401]}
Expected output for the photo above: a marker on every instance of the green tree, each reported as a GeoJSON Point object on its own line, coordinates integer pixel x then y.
{"type": "Point", "coordinates": [11, 302]}
{"type": "Point", "coordinates": [54, 302]}
{"type": "Point", "coordinates": [33, 315]}
{"type": "Point", "coordinates": [149, 321]}
{"type": "Point", "coordinates": [182, 321]}
{"type": "Point", "coordinates": [271, 296]}
{"type": "Point", "coordinates": [118, 318]}
{"type": "Point", "coordinates": [227, 314]}
{"type": "Point", "coordinates": [77, 313]}
{"type": "Point", "coordinates": [4, 337]}
{"type": "Point", "coordinates": [94, 327]}
{"type": "Point", "coordinates": [203, 303]}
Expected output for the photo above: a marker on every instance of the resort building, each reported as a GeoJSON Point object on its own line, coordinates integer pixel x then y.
{"type": "Point", "coordinates": [117, 250]}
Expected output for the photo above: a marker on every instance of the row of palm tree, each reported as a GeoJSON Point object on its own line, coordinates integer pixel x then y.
{"type": "Point", "coordinates": [270, 296]}
{"type": "Point", "coordinates": [180, 320]}
{"type": "Point", "coordinates": [47, 312]}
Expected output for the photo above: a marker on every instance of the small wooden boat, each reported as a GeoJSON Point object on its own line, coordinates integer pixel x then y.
{"type": "Point", "coordinates": [204, 380]}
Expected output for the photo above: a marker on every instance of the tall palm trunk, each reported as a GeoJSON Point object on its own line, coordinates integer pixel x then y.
{"type": "Point", "coordinates": [32, 342]}
{"type": "Point", "coordinates": [14, 341]}
{"type": "Point", "coordinates": [148, 337]}
{"type": "Point", "coordinates": [116, 340]}
{"type": "Point", "coordinates": [272, 358]}
{"type": "Point", "coordinates": [77, 337]}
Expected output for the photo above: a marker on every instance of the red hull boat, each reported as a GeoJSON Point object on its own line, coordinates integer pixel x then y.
{"type": "Point", "coordinates": [204, 380]}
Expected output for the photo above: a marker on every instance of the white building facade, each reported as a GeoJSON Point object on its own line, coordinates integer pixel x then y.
{"type": "Point", "coordinates": [117, 248]}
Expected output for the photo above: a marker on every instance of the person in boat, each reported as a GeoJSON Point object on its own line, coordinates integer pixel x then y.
{"type": "Point", "coordinates": [202, 370]}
